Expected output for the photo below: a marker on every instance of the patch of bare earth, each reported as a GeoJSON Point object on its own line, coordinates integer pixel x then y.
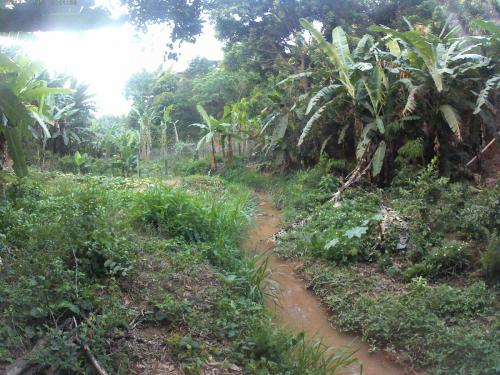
{"type": "Point", "coordinates": [147, 340]}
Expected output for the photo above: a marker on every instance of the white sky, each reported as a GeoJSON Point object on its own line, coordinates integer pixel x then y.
{"type": "Point", "coordinates": [105, 58]}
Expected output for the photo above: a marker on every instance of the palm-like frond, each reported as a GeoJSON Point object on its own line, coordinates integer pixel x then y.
{"type": "Point", "coordinates": [315, 117]}
{"type": "Point", "coordinates": [489, 26]}
{"type": "Point", "coordinates": [337, 51]}
{"type": "Point", "coordinates": [294, 77]}
{"type": "Point", "coordinates": [425, 49]}
{"type": "Point", "coordinates": [378, 159]}
{"type": "Point", "coordinates": [452, 118]}
{"type": "Point", "coordinates": [325, 92]}
{"type": "Point", "coordinates": [204, 115]}
{"type": "Point", "coordinates": [411, 101]}
{"type": "Point", "coordinates": [491, 84]}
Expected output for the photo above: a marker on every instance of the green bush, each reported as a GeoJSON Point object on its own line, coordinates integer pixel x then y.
{"type": "Point", "coordinates": [490, 259]}
{"type": "Point", "coordinates": [189, 166]}
{"type": "Point", "coordinates": [424, 323]}
{"type": "Point", "coordinates": [174, 213]}
{"type": "Point", "coordinates": [67, 164]}
{"type": "Point", "coordinates": [450, 259]}
{"type": "Point", "coordinates": [341, 234]}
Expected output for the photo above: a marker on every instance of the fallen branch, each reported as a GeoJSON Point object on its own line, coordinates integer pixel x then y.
{"type": "Point", "coordinates": [359, 171]}
{"type": "Point", "coordinates": [91, 358]}
{"type": "Point", "coordinates": [475, 158]}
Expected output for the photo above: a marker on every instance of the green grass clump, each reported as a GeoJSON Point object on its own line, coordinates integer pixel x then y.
{"type": "Point", "coordinates": [422, 323]}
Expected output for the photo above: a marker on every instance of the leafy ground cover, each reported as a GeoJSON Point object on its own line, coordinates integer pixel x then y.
{"type": "Point", "coordinates": [412, 268]}
{"type": "Point", "coordinates": [148, 277]}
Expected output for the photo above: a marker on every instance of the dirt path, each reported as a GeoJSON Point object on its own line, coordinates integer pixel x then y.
{"type": "Point", "coordinates": [297, 308]}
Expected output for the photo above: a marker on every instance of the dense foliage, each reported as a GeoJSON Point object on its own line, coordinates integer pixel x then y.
{"type": "Point", "coordinates": [374, 122]}
{"type": "Point", "coordinates": [407, 267]}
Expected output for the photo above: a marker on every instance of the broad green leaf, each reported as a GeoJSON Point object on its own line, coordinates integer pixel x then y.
{"type": "Point", "coordinates": [426, 50]}
{"type": "Point", "coordinates": [362, 66]}
{"type": "Point", "coordinates": [356, 232]}
{"type": "Point", "coordinates": [323, 93]}
{"type": "Point", "coordinates": [204, 115]}
{"type": "Point", "coordinates": [393, 47]}
{"type": "Point", "coordinates": [452, 118]}
{"type": "Point", "coordinates": [491, 27]}
{"type": "Point", "coordinates": [34, 94]}
{"type": "Point", "coordinates": [491, 84]}
{"type": "Point", "coordinates": [343, 133]}
{"type": "Point", "coordinates": [78, 158]}
{"type": "Point", "coordinates": [280, 130]}
{"type": "Point", "coordinates": [375, 89]}
{"type": "Point", "coordinates": [294, 77]}
{"type": "Point", "coordinates": [380, 125]}
{"type": "Point", "coordinates": [363, 42]}
{"type": "Point", "coordinates": [13, 108]}
{"type": "Point", "coordinates": [315, 117]}
{"type": "Point", "coordinates": [362, 146]}
{"type": "Point", "coordinates": [378, 159]}
{"type": "Point", "coordinates": [6, 64]}
{"type": "Point", "coordinates": [41, 122]}
{"type": "Point", "coordinates": [331, 243]}
{"type": "Point", "coordinates": [337, 51]}
{"type": "Point", "coordinates": [339, 41]}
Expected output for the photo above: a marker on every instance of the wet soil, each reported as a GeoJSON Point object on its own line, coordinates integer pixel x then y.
{"type": "Point", "coordinates": [296, 307]}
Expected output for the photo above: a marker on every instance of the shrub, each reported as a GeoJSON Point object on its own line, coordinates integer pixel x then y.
{"type": "Point", "coordinates": [174, 213]}
{"type": "Point", "coordinates": [490, 260]}
{"type": "Point", "coordinates": [450, 259]}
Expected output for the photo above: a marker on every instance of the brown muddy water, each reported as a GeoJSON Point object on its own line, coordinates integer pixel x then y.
{"type": "Point", "coordinates": [296, 307]}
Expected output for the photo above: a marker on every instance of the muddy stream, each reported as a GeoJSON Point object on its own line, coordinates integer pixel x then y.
{"type": "Point", "coordinates": [297, 308]}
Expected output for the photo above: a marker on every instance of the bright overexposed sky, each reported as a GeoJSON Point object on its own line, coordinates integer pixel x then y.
{"type": "Point", "coordinates": [105, 58]}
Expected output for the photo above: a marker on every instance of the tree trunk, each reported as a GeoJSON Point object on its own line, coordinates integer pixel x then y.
{"type": "Point", "coordinates": [176, 133]}
{"type": "Point", "coordinates": [229, 149]}
{"type": "Point", "coordinates": [3, 152]}
{"type": "Point", "coordinates": [213, 161]}
{"type": "Point", "coordinates": [223, 146]}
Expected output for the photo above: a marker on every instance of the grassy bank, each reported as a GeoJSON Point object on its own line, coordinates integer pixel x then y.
{"type": "Point", "coordinates": [412, 268]}
{"type": "Point", "coordinates": [148, 277]}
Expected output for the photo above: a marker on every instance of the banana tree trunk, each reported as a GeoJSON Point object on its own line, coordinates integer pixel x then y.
{"type": "Point", "coordinates": [176, 133]}
{"type": "Point", "coordinates": [213, 161]}
{"type": "Point", "coordinates": [223, 146]}
{"type": "Point", "coordinates": [229, 149]}
{"type": "Point", "coordinates": [3, 152]}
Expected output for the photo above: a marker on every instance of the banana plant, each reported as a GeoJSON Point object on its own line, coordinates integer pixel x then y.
{"type": "Point", "coordinates": [80, 160]}
{"type": "Point", "coordinates": [145, 118]}
{"type": "Point", "coordinates": [165, 122]}
{"type": "Point", "coordinates": [279, 123]}
{"type": "Point", "coordinates": [492, 41]}
{"type": "Point", "coordinates": [234, 119]}
{"type": "Point", "coordinates": [211, 129]}
{"type": "Point", "coordinates": [358, 93]}
{"type": "Point", "coordinates": [22, 99]}
{"type": "Point", "coordinates": [442, 79]}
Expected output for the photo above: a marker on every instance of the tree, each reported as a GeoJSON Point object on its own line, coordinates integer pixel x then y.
{"type": "Point", "coordinates": [45, 15]}
{"type": "Point", "coordinates": [443, 79]}
{"type": "Point", "coordinates": [70, 117]}
{"type": "Point", "coordinates": [22, 98]}
{"type": "Point", "coordinates": [211, 128]}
